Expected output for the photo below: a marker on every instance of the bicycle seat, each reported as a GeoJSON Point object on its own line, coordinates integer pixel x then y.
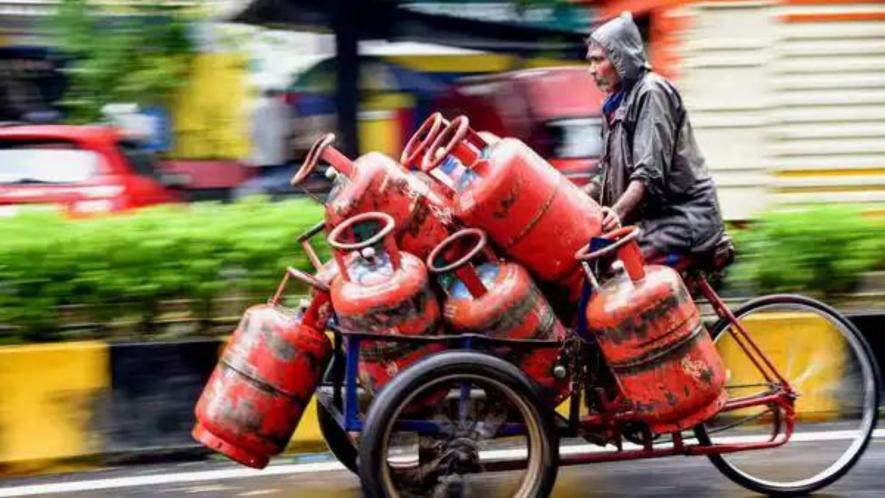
{"type": "Point", "coordinates": [717, 258]}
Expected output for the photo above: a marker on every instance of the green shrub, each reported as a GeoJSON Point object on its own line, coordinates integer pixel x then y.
{"type": "Point", "coordinates": [820, 251]}
{"type": "Point", "coordinates": [125, 266]}
{"type": "Point", "coordinates": [197, 252]}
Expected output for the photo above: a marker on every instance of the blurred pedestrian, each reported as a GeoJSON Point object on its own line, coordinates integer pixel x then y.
{"type": "Point", "coordinates": [652, 173]}
{"type": "Point", "coordinates": [270, 128]}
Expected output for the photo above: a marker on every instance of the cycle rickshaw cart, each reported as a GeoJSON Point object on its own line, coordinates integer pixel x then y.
{"type": "Point", "coordinates": [441, 425]}
{"type": "Point", "coordinates": [781, 394]}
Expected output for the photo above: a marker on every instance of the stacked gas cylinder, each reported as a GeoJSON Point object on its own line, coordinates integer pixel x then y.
{"type": "Point", "coordinates": [497, 188]}
{"type": "Point", "coordinates": [450, 240]}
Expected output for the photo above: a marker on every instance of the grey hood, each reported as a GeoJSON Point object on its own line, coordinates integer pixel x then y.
{"type": "Point", "coordinates": [623, 45]}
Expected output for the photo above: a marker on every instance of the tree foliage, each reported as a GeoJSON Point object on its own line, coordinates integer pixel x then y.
{"type": "Point", "coordinates": [141, 54]}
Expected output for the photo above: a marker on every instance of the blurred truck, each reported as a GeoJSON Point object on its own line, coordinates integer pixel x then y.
{"type": "Point", "coordinates": [556, 111]}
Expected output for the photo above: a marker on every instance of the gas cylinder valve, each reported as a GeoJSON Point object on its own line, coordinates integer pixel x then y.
{"type": "Point", "coordinates": [368, 253]}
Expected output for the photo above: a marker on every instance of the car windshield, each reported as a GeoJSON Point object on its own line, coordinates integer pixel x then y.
{"type": "Point", "coordinates": [143, 161]}
{"type": "Point", "coordinates": [575, 138]}
{"type": "Point", "coordinates": [45, 163]}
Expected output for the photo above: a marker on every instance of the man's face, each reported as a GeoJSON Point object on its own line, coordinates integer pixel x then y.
{"type": "Point", "coordinates": [602, 70]}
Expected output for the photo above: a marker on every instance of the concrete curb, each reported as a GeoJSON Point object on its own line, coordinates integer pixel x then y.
{"type": "Point", "coordinates": [70, 405]}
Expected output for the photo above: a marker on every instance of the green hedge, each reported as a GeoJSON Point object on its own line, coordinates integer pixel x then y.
{"type": "Point", "coordinates": [815, 250]}
{"type": "Point", "coordinates": [131, 263]}
{"type": "Point", "coordinates": [128, 268]}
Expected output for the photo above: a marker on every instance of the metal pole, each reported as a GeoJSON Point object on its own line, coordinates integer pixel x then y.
{"type": "Point", "coordinates": [347, 92]}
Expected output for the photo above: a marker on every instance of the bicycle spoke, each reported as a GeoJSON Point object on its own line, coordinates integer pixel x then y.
{"type": "Point", "coordinates": [830, 373]}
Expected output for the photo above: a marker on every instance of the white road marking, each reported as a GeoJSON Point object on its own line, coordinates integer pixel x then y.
{"type": "Point", "coordinates": [128, 482]}
{"type": "Point", "coordinates": [207, 489]}
{"type": "Point", "coordinates": [578, 449]}
{"type": "Point", "coordinates": [306, 468]}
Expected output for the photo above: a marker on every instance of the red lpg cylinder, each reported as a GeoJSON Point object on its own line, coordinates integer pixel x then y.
{"type": "Point", "coordinates": [527, 207]}
{"type": "Point", "coordinates": [651, 335]}
{"type": "Point", "coordinates": [383, 291]}
{"type": "Point", "coordinates": [265, 378]}
{"type": "Point", "coordinates": [375, 182]}
{"type": "Point", "coordinates": [416, 149]}
{"type": "Point", "coordinates": [499, 299]}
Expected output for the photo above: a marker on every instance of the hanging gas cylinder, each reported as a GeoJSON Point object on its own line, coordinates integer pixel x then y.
{"type": "Point", "coordinates": [381, 290]}
{"type": "Point", "coordinates": [267, 374]}
{"type": "Point", "coordinates": [498, 299]}
{"type": "Point", "coordinates": [528, 208]}
{"type": "Point", "coordinates": [375, 182]}
{"type": "Point", "coordinates": [652, 338]}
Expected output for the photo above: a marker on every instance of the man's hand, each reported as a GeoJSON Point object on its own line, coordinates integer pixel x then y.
{"type": "Point", "coordinates": [610, 220]}
{"type": "Point", "coordinates": [614, 216]}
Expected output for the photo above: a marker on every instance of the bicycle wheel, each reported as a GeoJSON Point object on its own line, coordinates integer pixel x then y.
{"type": "Point", "coordinates": [336, 439]}
{"type": "Point", "coordinates": [828, 363]}
{"type": "Point", "coordinates": [489, 422]}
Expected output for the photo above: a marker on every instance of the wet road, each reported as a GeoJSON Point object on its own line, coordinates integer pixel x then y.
{"type": "Point", "coordinates": [316, 476]}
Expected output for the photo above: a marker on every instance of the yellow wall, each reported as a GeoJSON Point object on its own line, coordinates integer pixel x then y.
{"type": "Point", "coordinates": [379, 128]}
{"type": "Point", "coordinates": [806, 349]}
{"type": "Point", "coordinates": [47, 396]}
{"type": "Point", "coordinates": [478, 63]}
{"type": "Point", "coordinates": [210, 115]}
{"type": "Point", "coordinates": [475, 63]}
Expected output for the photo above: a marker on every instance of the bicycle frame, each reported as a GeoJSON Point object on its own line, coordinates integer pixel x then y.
{"type": "Point", "coordinates": [615, 412]}
{"type": "Point", "coordinates": [345, 409]}
{"type": "Point", "coordinates": [342, 402]}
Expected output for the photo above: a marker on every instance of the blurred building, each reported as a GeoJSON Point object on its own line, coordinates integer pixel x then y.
{"type": "Point", "coordinates": [31, 79]}
{"type": "Point", "coordinates": [31, 82]}
{"type": "Point", "coordinates": [787, 97]}
{"type": "Point", "coordinates": [399, 83]}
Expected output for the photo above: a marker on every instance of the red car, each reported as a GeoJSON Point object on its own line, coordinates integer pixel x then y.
{"type": "Point", "coordinates": [81, 170]}
{"type": "Point", "coordinates": [556, 111]}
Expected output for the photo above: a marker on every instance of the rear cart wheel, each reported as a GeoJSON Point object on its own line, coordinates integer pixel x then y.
{"type": "Point", "coordinates": [829, 365]}
{"type": "Point", "coordinates": [490, 420]}
{"type": "Point", "coordinates": [336, 439]}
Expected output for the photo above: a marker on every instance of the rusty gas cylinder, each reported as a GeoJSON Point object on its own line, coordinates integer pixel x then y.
{"type": "Point", "coordinates": [267, 374]}
{"type": "Point", "coordinates": [419, 143]}
{"type": "Point", "coordinates": [418, 146]}
{"type": "Point", "coordinates": [381, 290]}
{"type": "Point", "coordinates": [499, 299]}
{"type": "Point", "coordinates": [375, 182]}
{"type": "Point", "coordinates": [528, 208]}
{"type": "Point", "coordinates": [652, 338]}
